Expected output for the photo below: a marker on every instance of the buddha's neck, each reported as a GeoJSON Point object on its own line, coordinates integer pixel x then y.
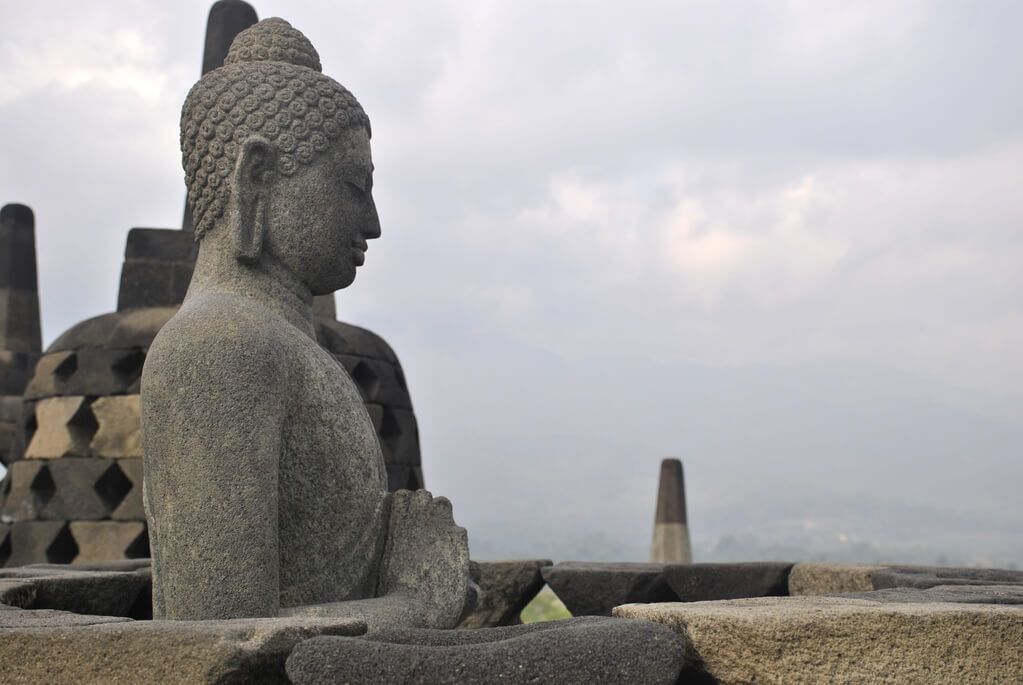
{"type": "Point", "coordinates": [268, 283]}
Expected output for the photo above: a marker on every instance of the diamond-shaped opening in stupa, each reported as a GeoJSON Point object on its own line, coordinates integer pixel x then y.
{"type": "Point", "coordinates": [367, 380]}
{"type": "Point", "coordinates": [113, 486]}
{"type": "Point", "coordinates": [63, 549]}
{"type": "Point", "coordinates": [42, 486]}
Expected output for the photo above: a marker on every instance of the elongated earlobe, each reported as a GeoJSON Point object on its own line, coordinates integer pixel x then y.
{"type": "Point", "coordinates": [253, 172]}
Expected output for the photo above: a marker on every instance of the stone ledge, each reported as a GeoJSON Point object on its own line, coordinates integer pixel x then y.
{"type": "Point", "coordinates": [838, 640]}
{"type": "Point", "coordinates": [59, 647]}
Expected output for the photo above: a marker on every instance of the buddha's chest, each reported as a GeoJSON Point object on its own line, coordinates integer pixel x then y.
{"type": "Point", "coordinates": [329, 437]}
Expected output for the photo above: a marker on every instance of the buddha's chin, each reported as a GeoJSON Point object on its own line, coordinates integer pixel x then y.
{"type": "Point", "coordinates": [342, 278]}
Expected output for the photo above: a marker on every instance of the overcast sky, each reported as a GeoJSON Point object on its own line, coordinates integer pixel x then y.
{"type": "Point", "coordinates": [780, 240]}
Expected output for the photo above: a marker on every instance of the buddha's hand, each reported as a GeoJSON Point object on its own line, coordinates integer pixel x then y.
{"type": "Point", "coordinates": [426, 559]}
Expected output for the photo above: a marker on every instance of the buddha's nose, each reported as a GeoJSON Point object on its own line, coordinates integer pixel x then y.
{"type": "Point", "coordinates": [372, 228]}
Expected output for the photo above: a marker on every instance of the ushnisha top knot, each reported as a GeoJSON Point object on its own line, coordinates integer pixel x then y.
{"type": "Point", "coordinates": [270, 86]}
{"type": "Point", "coordinates": [273, 40]}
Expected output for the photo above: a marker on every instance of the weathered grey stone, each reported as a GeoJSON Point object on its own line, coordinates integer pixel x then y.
{"type": "Point", "coordinates": [68, 489]}
{"type": "Point", "coordinates": [506, 587]}
{"type": "Point", "coordinates": [103, 540]}
{"type": "Point", "coordinates": [33, 542]}
{"type": "Point", "coordinates": [931, 576]}
{"type": "Point", "coordinates": [14, 620]}
{"type": "Point", "coordinates": [19, 291]}
{"type": "Point", "coordinates": [344, 338]}
{"type": "Point", "coordinates": [704, 582]}
{"type": "Point", "coordinates": [404, 477]}
{"type": "Point", "coordinates": [834, 640]}
{"type": "Point", "coordinates": [5, 543]}
{"type": "Point", "coordinates": [118, 433]}
{"type": "Point", "coordinates": [31, 487]}
{"type": "Point", "coordinates": [826, 578]}
{"type": "Point", "coordinates": [134, 328]}
{"type": "Point", "coordinates": [64, 428]}
{"type": "Point", "coordinates": [51, 374]}
{"type": "Point", "coordinates": [399, 435]}
{"type": "Point", "coordinates": [581, 650]}
{"type": "Point", "coordinates": [958, 594]}
{"type": "Point", "coordinates": [151, 283]}
{"type": "Point", "coordinates": [59, 647]}
{"type": "Point", "coordinates": [105, 593]}
{"type": "Point", "coordinates": [15, 371]}
{"type": "Point", "coordinates": [378, 380]}
{"type": "Point", "coordinates": [10, 408]}
{"type": "Point", "coordinates": [130, 508]}
{"type": "Point", "coordinates": [265, 490]}
{"type": "Point", "coordinates": [671, 530]}
{"type": "Point", "coordinates": [160, 245]}
{"type": "Point", "coordinates": [594, 589]}
{"type": "Point", "coordinates": [226, 20]}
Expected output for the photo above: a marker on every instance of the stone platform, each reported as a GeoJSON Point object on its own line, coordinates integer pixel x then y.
{"type": "Point", "coordinates": [842, 640]}
{"type": "Point", "coordinates": [86, 623]}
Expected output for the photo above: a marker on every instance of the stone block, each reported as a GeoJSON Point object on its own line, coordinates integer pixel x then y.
{"type": "Point", "coordinates": [112, 371]}
{"type": "Point", "coordinates": [10, 408]}
{"type": "Point", "coordinates": [30, 488]}
{"type": "Point", "coordinates": [33, 542]}
{"type": "Point", "coordinates": [5, 543]}
{"type": "Point", "coordinates": [64, 648]}
{"type": "Point", "coordinates": [837, 640]}
{"type": "Point", "coordinates": [152, 283]}
{"type": "Point", "coordinates": [344, 338]}
{"type": "Point", "coordinates": [594, 589]}
{"type": "Point", "coordinates": [52, 373]}
{"type": "Point", "coordinates": [118, 434]}
{"type": "Point", "coordinates": [506, 587]}
{"type": "Point", "coordinates": [64, 427]}
{"type": "Point", "coordinates": [824, 578]}
{"type": "Point", "coordinates": [130, 508]}
{"type": "Point", "coordinates": [957, 594]}
{"type": "Point", "coordinates": [19, 320]}
{"type": "Point", "coordinates": [379, 381]}
{"type": "Point", "coordinates": [16, 369]}
{"type": "Point", "coordinates": [931, 576]}
{"type": "Point", "coordinates": [400, 477]}
{"type": "Point", "coordinates": [17, 248]}
{"type": "Point", "coordinates": [8, 436]}
{"type": "Point", "coordinates": [105, 593]}
{"type": "Point", "coordinates": [14, 621]}
{"type": "Point", "coordinates": [86, 489]}
{"type": "Point", "coordinates": [376, 415]}
{"type": "Point", "coordinates": [107, 540]}
{"type": "Point", "coordinates": [576, 651]}
{"type": "Point", "coordinates": [24, 429]}
{"type": "Point", "coordinates": [118, 330]}
{"type": "Point", "coordinates": [703, 582]}
{"type": "Point", "coordinates": [161, 244]}
{"type": "Point", "coordinates": [399, 437]}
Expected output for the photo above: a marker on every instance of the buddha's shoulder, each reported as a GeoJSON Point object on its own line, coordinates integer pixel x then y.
{"type": "Point", "coordinates": [230, 327]}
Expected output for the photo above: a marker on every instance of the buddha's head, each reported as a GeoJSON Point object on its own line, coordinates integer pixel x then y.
{"type": "Point", "coordinates": [277, 160]}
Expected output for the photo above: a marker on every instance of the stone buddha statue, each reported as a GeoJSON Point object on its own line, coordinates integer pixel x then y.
{"type": "Point", "coordinates": [264, 481]}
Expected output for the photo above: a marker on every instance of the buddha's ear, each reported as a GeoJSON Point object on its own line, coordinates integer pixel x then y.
{"type": "Point", "coordinates": [252, 176]}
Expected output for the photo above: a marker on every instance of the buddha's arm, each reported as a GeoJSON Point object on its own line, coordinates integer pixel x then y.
{"type": "Point", "coordinates": [211, 418]}
{"type": "Point", "coordinates": [425, 578]}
